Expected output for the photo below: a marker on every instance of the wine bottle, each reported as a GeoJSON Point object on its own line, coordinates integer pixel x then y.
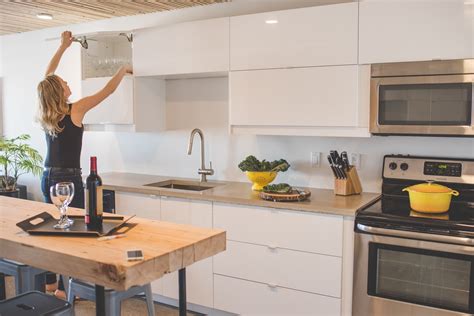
{"type": "Point", "coordinates": [94, 204]}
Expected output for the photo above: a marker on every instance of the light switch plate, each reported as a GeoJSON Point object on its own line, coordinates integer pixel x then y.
{"type": "Point", "coordinates": [315, 159]}
{"type": "Point", "coordinates": [355, 160]}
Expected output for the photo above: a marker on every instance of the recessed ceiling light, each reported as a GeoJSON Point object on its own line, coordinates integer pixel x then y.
{"type": "Point", "coordinates": [44, 16]}
{"type": "Point", "coordinates": [271, 21]}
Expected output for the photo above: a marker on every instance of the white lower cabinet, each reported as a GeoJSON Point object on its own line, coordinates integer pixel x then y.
{"type": "Point", "coordinates": [298, 270]}
{"type": "Point", "coordinates": [141, 205]}
{"type": "Point", "coordinates": [304, 231]}
{"type": "Point", "coordinates": [252, 298]}
{"type": "Point", "coordinates": [277, 262]}
{"type": "Point", "coordinates": [199, 282]}
{"type": "Point", "coordinates": [144, 206]}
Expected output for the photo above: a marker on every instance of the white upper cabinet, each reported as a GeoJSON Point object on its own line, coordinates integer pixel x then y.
{"type": "Point", "coordinates": [180, 49]}
{"type": "Point", "coordinates": [137, 105]}
{"type": "Point", "coordinates": [314, 36]}
{"type": "Point", "coordinates": [315, 101]}
{"type": "Point", "coordinates": [116, 108]}
{"type": "Point", "coordinates": [395, 31]}
{"type": "Point", "coordinates": [104, 53]}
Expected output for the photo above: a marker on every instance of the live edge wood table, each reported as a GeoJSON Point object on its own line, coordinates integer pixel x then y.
{"type": "Point", "coordinates": [167, 247]}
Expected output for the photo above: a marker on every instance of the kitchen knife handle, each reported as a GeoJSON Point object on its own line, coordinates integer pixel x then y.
{"type": "Point", "coordinates": [333, 168]}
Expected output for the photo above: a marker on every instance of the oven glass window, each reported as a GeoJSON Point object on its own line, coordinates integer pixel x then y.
{"type": "Point", "coordinates": [425, 104]}
{"type": "Point", "coordinates": [423, 277]}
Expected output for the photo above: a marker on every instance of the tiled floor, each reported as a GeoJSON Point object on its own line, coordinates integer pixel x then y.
{"type": "Point", "coordinates": [130, 307]}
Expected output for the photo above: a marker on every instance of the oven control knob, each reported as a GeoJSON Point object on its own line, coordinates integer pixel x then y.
{"type": "Point", "coordinates": [393, 165]}
{"type": "Point", "coordinates": [404, 166]}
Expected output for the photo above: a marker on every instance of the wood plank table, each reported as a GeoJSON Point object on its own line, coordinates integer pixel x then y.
{"type": "Point", "coordinates": [167, 247]}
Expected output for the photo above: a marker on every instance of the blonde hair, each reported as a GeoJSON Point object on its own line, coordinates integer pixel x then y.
{"type": "Point", "coordinates": [53, 104]}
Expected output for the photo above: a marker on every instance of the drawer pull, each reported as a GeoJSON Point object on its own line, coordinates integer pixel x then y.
{"type": "Point", "coordinates": [153, 196]}
{"type": "Point", "coordinates": [272, 285]}
{"type": "Point", "coordinates": [272, 247]}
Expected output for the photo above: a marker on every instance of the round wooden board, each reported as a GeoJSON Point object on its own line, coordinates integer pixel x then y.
{"type": "Point", "coordinates": [295, 196]}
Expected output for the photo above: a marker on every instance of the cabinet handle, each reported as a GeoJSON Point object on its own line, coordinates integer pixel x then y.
{"type": "Point", "coordinates": [153, 196]}
{"type": "Point", "coordinates": [272, 285]}
{"type": "Point", "coordinates": [272, 247]}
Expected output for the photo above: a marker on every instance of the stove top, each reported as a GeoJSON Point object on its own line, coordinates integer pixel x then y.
{"type": "Point", "coordinates": [393, 210]}
{"type": "Point", "coordinates": [395, 213]}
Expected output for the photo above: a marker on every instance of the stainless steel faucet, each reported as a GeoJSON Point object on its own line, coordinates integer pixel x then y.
{"type": "Point", "coordinates": [202, 171]}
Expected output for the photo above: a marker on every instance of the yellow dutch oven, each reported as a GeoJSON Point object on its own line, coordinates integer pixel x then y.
{"type": "Point", "coordinates": [430, 197]}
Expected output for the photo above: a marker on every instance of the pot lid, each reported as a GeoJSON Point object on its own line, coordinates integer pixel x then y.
{"type": "Point", "coordinates": [430, 187]}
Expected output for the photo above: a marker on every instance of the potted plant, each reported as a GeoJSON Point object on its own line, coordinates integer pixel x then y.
{"type": "Point", "coordinates": [16, 159]}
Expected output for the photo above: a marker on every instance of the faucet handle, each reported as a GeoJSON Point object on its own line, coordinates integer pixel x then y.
{"type": "Point", "coordinates": [210, 168]}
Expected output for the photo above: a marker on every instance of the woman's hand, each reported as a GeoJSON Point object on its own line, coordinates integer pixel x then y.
{"type": "Point", "coordinates": [127, 69]}
{"type": "Point", "coordinates": [66, 39]}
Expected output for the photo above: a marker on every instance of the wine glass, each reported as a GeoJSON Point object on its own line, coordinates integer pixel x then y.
{"type": "Point", "coordinates": [61, 195]}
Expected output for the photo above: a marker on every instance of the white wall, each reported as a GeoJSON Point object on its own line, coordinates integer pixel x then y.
{"type": "Point", "coordinates": [23, 61]}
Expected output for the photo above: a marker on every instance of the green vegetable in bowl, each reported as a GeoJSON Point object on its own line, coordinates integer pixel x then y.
{"type": "Point", "coordinates": [278, 188]}
{"type": "Point", "coordinates": [253, 164]}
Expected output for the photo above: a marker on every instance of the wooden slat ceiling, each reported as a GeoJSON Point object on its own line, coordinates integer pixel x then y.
{"type": "Point", "coordinates": [20, 15]}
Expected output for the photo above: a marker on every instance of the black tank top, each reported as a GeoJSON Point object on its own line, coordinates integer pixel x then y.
{"type": "Point", "coordinates": [64, 150]}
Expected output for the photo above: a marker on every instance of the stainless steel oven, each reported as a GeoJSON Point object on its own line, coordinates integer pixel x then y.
{"type": "Point", "coordinates": [432, 98]}
{"type": "Point", "coordinates": [397, 273]}
{"type": "Point", "coordinates": [408, 263]}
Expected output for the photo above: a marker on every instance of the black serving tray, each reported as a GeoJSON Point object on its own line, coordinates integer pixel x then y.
{"type": "Point", "coordinates": [42, 224]}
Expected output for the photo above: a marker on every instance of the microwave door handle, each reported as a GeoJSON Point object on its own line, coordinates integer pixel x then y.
{"type": "Point", "coordinates": [415, 235]}
{"type": "Point", "coordinates": [472, 106]}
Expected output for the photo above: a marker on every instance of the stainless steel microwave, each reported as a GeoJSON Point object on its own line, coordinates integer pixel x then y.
{"type": "Point", "coordinates": [431, 98]}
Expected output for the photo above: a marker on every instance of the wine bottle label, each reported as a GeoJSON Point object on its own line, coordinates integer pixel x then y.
{"type": "Point", "coordinates": [99, 207]}
{"type": "Point", "coordinates": [100, 203]}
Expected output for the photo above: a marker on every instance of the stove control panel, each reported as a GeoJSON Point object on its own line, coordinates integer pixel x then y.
{"type": "Point", "coordinates": [447, 169]}
{"type": "Point", "coordinates": [406, 167]}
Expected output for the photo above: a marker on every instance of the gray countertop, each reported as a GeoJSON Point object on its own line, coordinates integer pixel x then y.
{"type": "Point", "coordinates": [321, 200]}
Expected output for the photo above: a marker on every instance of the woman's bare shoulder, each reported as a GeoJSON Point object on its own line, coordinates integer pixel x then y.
{"type": "Point", "coordinates": [76, 114]}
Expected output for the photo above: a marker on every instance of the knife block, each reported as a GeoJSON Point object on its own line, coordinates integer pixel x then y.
{"type": "Point", "coordinates": [349, 186]}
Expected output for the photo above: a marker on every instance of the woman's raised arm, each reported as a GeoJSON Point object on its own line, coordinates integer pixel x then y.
{"type": "Point", "coordinates": [87, 103]}
{"type": "Point", "coordinates": [66, 40]}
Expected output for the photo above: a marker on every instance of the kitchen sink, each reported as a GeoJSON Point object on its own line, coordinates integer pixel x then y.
{"type": "Point", "coordinates": [182, 185]}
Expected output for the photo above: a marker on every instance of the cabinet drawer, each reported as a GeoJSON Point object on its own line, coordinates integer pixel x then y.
{"type": "Point", "coordinates": [314, 36]}
{"type": "Point", "coordinates": [310, 232]}
{"type": "Point", "coordinates": [304, 271]}
{"type": "Point", "coordinates": [251, 298]}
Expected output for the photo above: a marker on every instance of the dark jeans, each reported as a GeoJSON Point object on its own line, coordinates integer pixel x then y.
{"type": "Point", "coordinates": [50, 177]}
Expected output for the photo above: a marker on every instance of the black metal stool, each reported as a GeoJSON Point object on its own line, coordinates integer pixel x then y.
{"type": "Point", "coordinates": [27, 278]}
{"type": "Point", "coordinates": [35, 304]}
{"type": "Point", "coordinates": [113, 299]}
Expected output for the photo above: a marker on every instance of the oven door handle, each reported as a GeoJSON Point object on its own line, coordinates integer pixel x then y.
{"type": "Point", "coordinates": [416, 235]}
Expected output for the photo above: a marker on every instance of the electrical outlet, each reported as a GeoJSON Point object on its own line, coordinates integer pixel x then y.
{"type": "Point", "coordinates": [356, 160]}
{"type": "Point", "coordinates": [315, 159]}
